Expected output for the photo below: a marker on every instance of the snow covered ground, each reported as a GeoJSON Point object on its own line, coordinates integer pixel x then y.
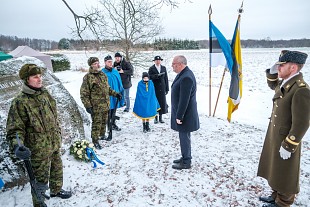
{"type": "Point", "coordinates": [138, 169]}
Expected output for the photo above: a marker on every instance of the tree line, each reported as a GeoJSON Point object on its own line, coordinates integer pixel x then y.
{"type": "Point", "coordinates": [9, 43]}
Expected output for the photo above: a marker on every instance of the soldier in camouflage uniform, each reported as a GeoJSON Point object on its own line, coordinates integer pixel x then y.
{"type": "Point", "coordinates": [95, 95]}
{"type": "Point", "coordinates": [33, 116]}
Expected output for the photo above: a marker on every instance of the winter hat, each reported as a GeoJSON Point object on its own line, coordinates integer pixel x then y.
{"type": "Point", "coordinates": [117, 55]}
{"type": "Point", "coordinates": [157, 58]}
{"type": "Point", "coordinates": [145, 74]}
{"type": "Point", "coordinates": [91, 60]}
{"type": "Point", "coordinates": [108, 58]}
{"type": "Point", "coordinates": [29, 70]}
{"type": "Point", "coordinates": [292, 57]}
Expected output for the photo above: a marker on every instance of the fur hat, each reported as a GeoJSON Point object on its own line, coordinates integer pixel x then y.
{"type": "Point", "coordinates": [29, 70]}
{"type": "Point", "coordinates": [157, 58]}
{"type": "Point", "coordinates": [145, 74]}
{"type": "Point", "coordinates": [91, 60]}
{"type": "Point", "coordinates": [117, 55]}
{"type": "Point", "coordinates": [292, 57]}
{"type": "Point", "coordinates": [108, 58]}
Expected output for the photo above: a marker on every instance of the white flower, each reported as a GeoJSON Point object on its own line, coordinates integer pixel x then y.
{"type": "Point", "coordinates": [79, 152]}
{"type": "Point", "coordinates": [91, 145]}
{"type": "Point", "coordinates": [80, 156]}
{"type": "Point", "coordinates": [75, 149]}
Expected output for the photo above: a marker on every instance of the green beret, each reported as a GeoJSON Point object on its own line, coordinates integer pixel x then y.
{"type": "Point", "coordinates": [91, 60]}
{"type": "Point", "coordinates": [29, 70]}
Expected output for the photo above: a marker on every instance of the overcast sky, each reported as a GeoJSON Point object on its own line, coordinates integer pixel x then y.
{"type": "Point", "coordinates": [276, 19]}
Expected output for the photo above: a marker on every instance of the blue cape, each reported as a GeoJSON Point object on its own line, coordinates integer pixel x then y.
{"type": "Point", "coordinates": [146, 104]}
{"type": "Point", "coordinates": [115, 82]}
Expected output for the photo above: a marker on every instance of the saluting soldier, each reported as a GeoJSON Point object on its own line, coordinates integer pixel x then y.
{"type": "Point", "coordinates": [280, 158]}
{"type": "Point", "coordinates": [33, 116]}
{"type": "Point", "coordinates": [95, 95]}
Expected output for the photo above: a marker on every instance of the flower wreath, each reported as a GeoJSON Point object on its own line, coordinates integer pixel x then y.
{"type": "Point", "coordinates": [78, 150]}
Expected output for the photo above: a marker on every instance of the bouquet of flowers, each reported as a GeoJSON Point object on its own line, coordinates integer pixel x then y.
{"type": "Point", "coordinates": [78, 150]}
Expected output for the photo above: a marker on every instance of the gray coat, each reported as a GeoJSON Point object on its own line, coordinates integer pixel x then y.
{"type": "Point", "coordinates": [183, 102]}
{"type": "Point", "coordinates": [288, 124]}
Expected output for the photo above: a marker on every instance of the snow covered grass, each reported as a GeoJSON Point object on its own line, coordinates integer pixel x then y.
{"type": "Point", "coordinates": [138, 169]}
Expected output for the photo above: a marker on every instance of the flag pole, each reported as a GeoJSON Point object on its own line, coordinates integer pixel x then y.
{"type": "Point", "coordinates": [218, 95]}
{"type": "Point", "coordinates": [210, 46]}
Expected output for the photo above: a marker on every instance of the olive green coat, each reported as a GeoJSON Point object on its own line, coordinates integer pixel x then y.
{"type": "Point", "coordinates": [95, 93]}
{"type": "Point", "coordinates": [288, 124]}
{"type": "Point", "coordinates": [33, 116]}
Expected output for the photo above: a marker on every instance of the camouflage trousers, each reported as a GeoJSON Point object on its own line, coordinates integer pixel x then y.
{"type": "Point", "coordinates": [48, 170]}
{"type": "Point", "coordinates": [99, 122]}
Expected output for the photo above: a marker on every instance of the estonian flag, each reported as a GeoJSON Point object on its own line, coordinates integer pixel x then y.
{"type": "Point", "coordinates": [220, 49]}
{"type": "Point", "coordinates": [235, 90]}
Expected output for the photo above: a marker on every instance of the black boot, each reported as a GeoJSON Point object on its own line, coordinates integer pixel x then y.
{"type": "Point", "coordinates": [62, 194]}
{"type": "Point", "coordinates": [147, 126]}
{"type": "Point", "coordinates": [161, 119]}
{"type": "Point", "coordinates": [144, 127]}
{"type": "Point", "coordinates": [115, 127]}
{"type": "Point", "coordinates": [156, 120]}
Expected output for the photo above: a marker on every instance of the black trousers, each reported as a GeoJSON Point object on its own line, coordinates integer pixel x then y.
{"type": "Point", "coordinates": [185, 143]}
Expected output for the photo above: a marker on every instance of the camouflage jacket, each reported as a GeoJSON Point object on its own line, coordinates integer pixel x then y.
{"type": "Point", "coordinates": [33, 116]}
{"type": "Point", "coordinates": [95, 90]}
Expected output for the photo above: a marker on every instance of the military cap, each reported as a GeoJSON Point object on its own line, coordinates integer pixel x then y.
{"type": "Point", "coordinates": [145, 74]}
{"type": "Point", "coordinates": [108, 58]}
{"type": "Point", "coordinates": [157, 58]}
{"type": "Point", "coordinates": [117, 55]}
{"type": "Point", "coordinates": [29, 70]}
{"type": "Point", "coordinates": [91, 60]}
{"type": "Point", "coordinates": [292, 57]}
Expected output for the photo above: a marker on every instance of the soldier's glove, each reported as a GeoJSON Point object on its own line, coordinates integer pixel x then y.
{"type": "Point", "coordinates": [89, 110]}
{"type": "Point", "coordinates": [41, 188]}
{"type": "Point", "coordinates": [284, 154]}
{"type": "Point", "coordinates": [22, 152]}
{"type": "Point", "coordinates": [119, 96]}
{"type": "Point", "coordinates": [274, 69]}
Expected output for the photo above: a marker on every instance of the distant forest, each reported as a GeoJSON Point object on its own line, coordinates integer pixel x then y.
{"type": "Point", "coordinates": [9, 43]}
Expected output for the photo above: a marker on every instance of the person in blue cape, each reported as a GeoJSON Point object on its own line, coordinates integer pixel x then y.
{"type": "Point", "coordinates": [146, 104]}
{"type": "Point", "coordinates": [115, 83]}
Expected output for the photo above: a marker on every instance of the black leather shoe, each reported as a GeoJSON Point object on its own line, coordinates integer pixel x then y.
{"type": "Point", "coordinates": [126, 110]}
{"type": "Point", "coordinates": [98, 146]}
{"type": "Point", "coordinates": [178, 160]}
{"type": "Point", "coordinates": [267, 199]}
{"type": "Point", "coordinates": [115, 127]}
{"type": "Point", "coordinates": [62, 194]}
{"type": "Point", "coordinates": [103, 137]}
{"type": "Point", "coordinates": [270, 205]}
{"type": "Point", "coordinates": [181, 165]}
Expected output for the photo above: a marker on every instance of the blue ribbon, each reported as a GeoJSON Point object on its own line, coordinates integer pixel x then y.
{"type": "Point", "coordinates": [93, 157]}
{"type": "Point", "coordinates": [1, 183]}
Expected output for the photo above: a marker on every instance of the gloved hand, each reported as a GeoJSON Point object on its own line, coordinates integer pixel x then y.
{"type": "Point", "coordinates": [41, 188]}
{"type": "Point", "coordinates": [22, 152]}
{"type": "Point", "coordinates": [284, 154]}
{"type": "Point", "coordinates": [273, 69]}
{"type": "Point", "coordinates": [119, 96]}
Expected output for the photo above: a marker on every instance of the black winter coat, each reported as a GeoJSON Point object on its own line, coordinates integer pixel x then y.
{"type": "Point", "coordinates": [183, 102]}
{"type": "Point", "coordinates": [161, 86]}
{"type": "Point", "coordinates": [128, 72]}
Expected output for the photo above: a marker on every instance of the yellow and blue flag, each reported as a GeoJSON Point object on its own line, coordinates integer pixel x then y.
{"type": "Point", "coordinates": [235, 89]}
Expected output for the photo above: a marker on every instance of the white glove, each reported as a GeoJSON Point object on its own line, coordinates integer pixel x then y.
{"type": "Point", "coordinates": [284, 154]}
{"type": "Point", "coordinates": [273, 69]}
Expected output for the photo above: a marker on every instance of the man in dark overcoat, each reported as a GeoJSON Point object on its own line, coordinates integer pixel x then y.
{"type": "Point", "coordinates": [184, 114]}
{"type": "Point", "coordinates": [280, 158]}
{"type": "Point", "coordinates": [158, 74]}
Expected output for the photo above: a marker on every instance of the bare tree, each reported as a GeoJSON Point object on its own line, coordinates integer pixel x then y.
{"type": "Point", "coordinates": [128, 22]}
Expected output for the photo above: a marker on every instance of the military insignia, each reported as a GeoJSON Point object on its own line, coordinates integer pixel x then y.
{"type": "Point", "coordinates": [288, 86]}
{"type": "Point", "coordinates": [302, 84]}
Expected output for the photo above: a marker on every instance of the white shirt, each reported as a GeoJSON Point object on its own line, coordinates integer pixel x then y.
{"type": "Point", "coordinates": [284, 81]}
{"type": "Point", "coordinates": [158, 68]}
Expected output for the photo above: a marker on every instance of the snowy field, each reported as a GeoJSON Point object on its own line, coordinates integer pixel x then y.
{"type": "Point", "coordinates": [138, 169]}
